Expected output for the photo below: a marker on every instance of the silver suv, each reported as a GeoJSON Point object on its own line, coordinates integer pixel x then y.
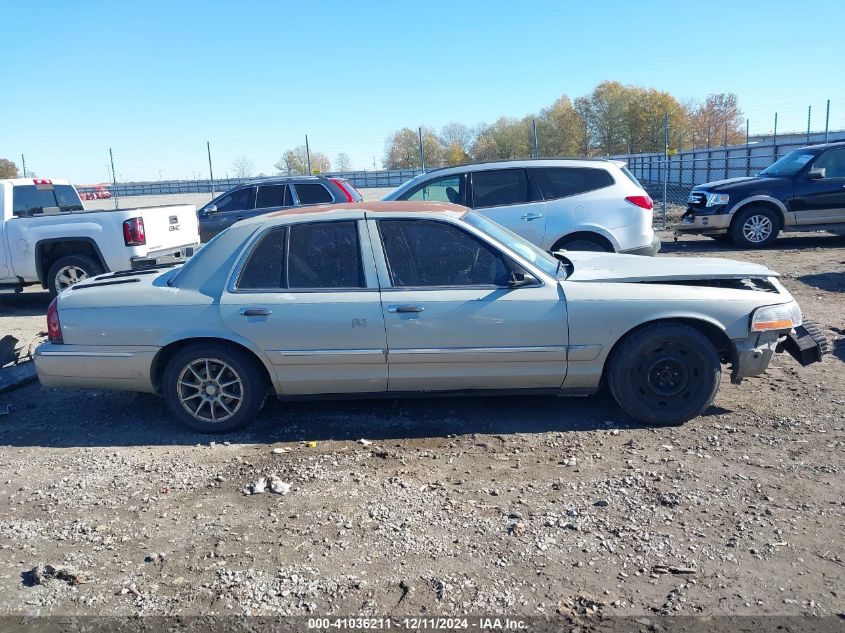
{"type": "Point", "coordinates": [559, 204]}
{"type": "Point", "coordinates": [271, 194]}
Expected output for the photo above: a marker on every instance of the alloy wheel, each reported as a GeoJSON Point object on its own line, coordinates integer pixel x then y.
{"type": "Point", "coordinates": [68, 276]}
{"type": "Point", "coordinates": [210, 390]}
{"type": "Point", "coordinates": [757, 228]}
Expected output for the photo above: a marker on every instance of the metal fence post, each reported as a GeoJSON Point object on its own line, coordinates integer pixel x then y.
{"type": "Point", "coordinates": [536, 151]}
{"type": "Point", "coordinates": [726, 150]}
{"type": "Point", "coordinates": [809, 111]}
{"type": "Point", "coordinates": [665, 164]}
{"type": "Point", "coordinates": [422, 153]}
{"type": "Point", "coordinates": [747, 150]}
{"type": "Point", "coordinates": [210, 170]}
{"type": "Point", "coordinates": [113, 177]}
{"type": "Point", "coordinates": [308, 154]}
{"type": "Point", "coordinates": [775, 140]}
{"type": "Point", "coordinates": [23, 163]}
{"type": "Point", "coordinates": [827, 121]}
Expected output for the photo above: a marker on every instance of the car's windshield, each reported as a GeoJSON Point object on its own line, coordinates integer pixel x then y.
{"type": "Point", "coordinates": [789, 165]}
{"type": "Point", "coordinates": [537, 256]}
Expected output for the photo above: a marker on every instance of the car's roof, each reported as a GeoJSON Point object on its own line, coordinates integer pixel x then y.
{"type": "Point", "coordinates": [824, 146]}
{"type": "Point", "coordinates": [282, 179]}
{"type": "Point", "coordinates": [328, 211]}
{"type": "Point", "coordinates": [525, 162]}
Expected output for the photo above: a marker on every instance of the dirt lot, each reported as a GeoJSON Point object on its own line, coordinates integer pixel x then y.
{"type": "Point", "coordinates": [507, 505]}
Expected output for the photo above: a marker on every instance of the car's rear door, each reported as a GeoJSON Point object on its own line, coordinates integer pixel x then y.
{"type": "Point", "coordinates": [452, 321]}
{"type": "Point", "coordinates": [307, 295]}
{"type": "Point", "coordinates": [272, 198]}
{"type": "Point", "coordinates": [509, 197]}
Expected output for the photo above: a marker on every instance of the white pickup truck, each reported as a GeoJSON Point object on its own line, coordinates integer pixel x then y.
{"type": "Point", "coordinates": [47, 236]}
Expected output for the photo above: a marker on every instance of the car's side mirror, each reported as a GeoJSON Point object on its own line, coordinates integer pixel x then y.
{"type": "Point", "coordinates": [518, 280]}
{"type": "Point", "coordinates": [817, 173]}
{"type": "Point", "coordinates": [211, 209]}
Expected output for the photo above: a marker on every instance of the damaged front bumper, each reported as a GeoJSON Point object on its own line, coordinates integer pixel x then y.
{"type": "Point", "coordinates": [751, 356]}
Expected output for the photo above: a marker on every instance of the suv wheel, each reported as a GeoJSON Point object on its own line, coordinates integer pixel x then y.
{"type": "Point", "coordinates": [755, 227]}
{"type": "Point", "coordinates": [69, 270]}
{"type": "Point", "coordinates": [582, 244]}
{"type": "Point", "coordinates": [213, 388]}
{"type": "Point", "coordinates": [665, 373]}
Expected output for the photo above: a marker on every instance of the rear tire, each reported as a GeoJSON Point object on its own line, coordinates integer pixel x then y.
{"type": "Point", "coordinates": [755, 227]}
{"type": "Point", "coordinates": [664, 374]}
{"type": "Point", "coordinates": [69, 270]}
{"type": "Point", "coordinates": [213, 388]}
{"type": "Point", "coordinates": [588, 244]}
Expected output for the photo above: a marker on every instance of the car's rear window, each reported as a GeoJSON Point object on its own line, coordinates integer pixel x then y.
{"type": "Point", "coordinates": [27, 199]}
{"type": "Point", "coordinates": [631, 176]}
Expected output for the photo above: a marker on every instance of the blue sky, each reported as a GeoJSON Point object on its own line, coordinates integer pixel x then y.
{"type": "Point", "coordinates": [156, 80]}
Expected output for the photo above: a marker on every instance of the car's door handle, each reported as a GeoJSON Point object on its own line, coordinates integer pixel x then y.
{"type": "Point", "coordinates": [256, 312]}
{"type": "Point", "coordinates": [404, 309]}
{"type": "Point", "coordinates": [532, 216]}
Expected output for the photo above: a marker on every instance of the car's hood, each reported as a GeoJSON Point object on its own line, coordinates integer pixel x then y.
{"type": "Point", "coordinates": [636, 268]}
{"type": "Point", "coordinates": [742, 182]}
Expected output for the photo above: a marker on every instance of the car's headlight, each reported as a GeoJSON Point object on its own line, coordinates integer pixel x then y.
{"type": "Point", "coordinates": [781, 317]}
{"type": "Point", "coordinates": [714, 199]}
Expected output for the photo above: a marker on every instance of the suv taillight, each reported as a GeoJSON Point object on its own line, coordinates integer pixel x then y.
{"type": "Point", "coordinates": [133, 232]}
{"type": "Point", "coordinates": [341, 186]}
{"type": "Point", "coordinates": [54, 326]}
{"type": "Point", "coordinates": [643, 202]}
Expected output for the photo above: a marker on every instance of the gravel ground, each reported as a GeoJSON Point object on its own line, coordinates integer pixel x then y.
{"type": "Point", "coordinates": [529, 505]}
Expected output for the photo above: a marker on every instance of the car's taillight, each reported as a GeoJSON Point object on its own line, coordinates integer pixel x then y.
{"type": "Point", "coordinates": [133, 232]}
{"type": "Point", "coordinates": [644, 202]}
{"type": "Point", "coordinates": [345, 191]}
{"type": "Point", "coordinates": [54, 326]}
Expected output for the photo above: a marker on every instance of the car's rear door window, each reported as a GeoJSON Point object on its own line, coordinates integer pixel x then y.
{"type": "Point", "coordinates": [308, 256]}
{"type": "Point", "coordinates": [272, 196]}
{"type": "Point", "coordinates": [313, 193]}
{"type": "Point", "coordinates": [501, 187]}
{"type": "Point", "coordinates": [426, 253]}
{"type": "Point", "coordinates": [560, 182]}
{"type": "Point", "coordinates": [265, 268]}
{"type": "Point", "coordinates": [238, 200]}
{"type": "Point", "coordinates": [325, 255]}
{"type": "Point", "coordinates": [446, 189]}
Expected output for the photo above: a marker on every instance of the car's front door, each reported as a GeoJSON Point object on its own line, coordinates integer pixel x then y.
{"type": "Point", "coordinates": [508, 197]}
{"type": "Point", "coordinates": [453, 322]}
{"type": "Point", "coordinates": [307, 295]}
{"type": "Point", "coordinates": [230, 208]}
{"type": "Point", "coordinates": [821, 200]}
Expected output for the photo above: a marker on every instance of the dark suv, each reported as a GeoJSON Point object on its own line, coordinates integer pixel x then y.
{"type": "Point", "coordinates": [264, 196]}
{"type": "Point", "coordinates": [803, 191]}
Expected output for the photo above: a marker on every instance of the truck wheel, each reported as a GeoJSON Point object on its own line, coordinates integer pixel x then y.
{"type": "Point", "coordinates": [755, 227]}
{"type": "Point", "coordinates": [69, 270]}
{"type": "Point", "coordinates": [664, 374]}
{"type": "Point", "coordinates": [213, 388]}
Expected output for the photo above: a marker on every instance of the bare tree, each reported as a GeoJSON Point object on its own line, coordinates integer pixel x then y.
{"type": "Point", "coordinates": [243, 167]}
{"type": "Point", "coordinates": [342, 162]}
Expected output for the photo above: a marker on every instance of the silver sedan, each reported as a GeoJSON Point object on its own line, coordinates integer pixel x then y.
{"type": "Point", "coordinates": [394, 298]}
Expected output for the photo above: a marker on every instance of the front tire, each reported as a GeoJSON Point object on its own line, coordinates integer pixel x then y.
{"type": "Point", "coordinates": [69, 270]}
{"type": "Point", "coordinates": [664, 374]}
{"type": "Point", "coordinates": [755, 227]}
{"type": "Point", "coordinates": [213, 388]}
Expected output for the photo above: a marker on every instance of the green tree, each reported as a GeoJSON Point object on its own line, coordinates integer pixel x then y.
{"type": "Point", "coordinates": [560, 129]}
{"type": "Point", "coordinates": [294, 162]}
{"type": "Point", "coordinates": [402, 149]}
{"type": "Point", "coordinates": [8, 169]}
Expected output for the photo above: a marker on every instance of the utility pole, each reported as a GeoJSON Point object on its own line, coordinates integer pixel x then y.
{"type": "Point", "coordinates": [23, 158]}
{"type": "Point", "coordinates": [422, 153]}
{"type": "Point", "coordinates": [308, 154]}
{"type": "Point", "coordinates": [210, 170]}
{"type": "Point", "coordinates": [113, 177]}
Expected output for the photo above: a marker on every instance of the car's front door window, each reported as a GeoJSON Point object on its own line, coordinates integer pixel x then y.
{"type": "Point", "coordinates": [239, 200]}
{"type": "Point", "coordinates": [833, 163]}
{"type": "Point", "coordinates": [426, 253]}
